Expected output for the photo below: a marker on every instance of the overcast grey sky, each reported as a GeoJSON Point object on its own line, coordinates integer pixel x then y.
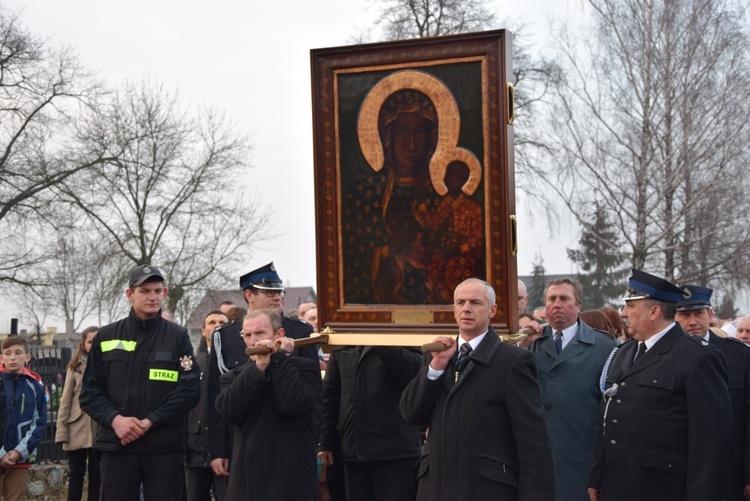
{"type": "Point", "coordinates": [252, 59]}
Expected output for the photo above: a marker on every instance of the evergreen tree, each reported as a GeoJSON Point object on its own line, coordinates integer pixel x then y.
{"type": "Point", "coordinates": [538, 283]}
{"type": "Point", "coordinates": [726, 309]}
{"type": "Point", "coordinates": [599, 260]}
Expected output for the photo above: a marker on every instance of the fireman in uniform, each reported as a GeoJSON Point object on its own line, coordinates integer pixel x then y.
{"type": "Point", "coordinates": [140, 382]}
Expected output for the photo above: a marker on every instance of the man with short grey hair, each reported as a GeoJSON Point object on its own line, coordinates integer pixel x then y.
{"type": "Point", "coordinates": [481, 400]}
{"type": "Point", "coordinates": [523, 297]}
{"type": "Point", "coordinates": [743, 329]}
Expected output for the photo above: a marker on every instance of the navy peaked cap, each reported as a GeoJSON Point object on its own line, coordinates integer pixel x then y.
{"type": "Point", "coordinates": [264, 278]}
{"type": "Point", "coordinates": [643, 285]}
{"type": "Point", "coordinates": [700, 297]}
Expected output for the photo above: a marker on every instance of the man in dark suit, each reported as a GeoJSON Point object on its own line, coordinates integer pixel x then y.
{"type": "Point", "coordinates": [361, 394]}
{"type": "Point", "coordinates": [262, 289]}
{"type": "Point", "coordinates": [487, 434]}
{"type": "Point", "coordinates": [666, 417]}
{"type": "Point", "coordinates": [275, 403]}
{"type": "Point", "coordinates": [694, 316]}
{"type": "Point", "coordinates": [570, 385]}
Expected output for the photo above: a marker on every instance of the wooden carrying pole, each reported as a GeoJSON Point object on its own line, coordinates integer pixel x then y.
{"type": "Point", "coordinates": [331, 338]}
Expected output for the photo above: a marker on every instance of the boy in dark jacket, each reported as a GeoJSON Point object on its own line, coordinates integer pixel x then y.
{"type": "Point", "coordinates": [23, 416]}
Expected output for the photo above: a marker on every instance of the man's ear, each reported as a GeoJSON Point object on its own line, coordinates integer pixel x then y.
{"type": "Point", "coordinates": [280, 333]}
{"type": "Point", "coordinates": [28, 358]}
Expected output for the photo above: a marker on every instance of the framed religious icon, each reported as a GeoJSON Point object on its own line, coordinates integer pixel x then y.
{"type": "Point", "coordinates": [414, 185]}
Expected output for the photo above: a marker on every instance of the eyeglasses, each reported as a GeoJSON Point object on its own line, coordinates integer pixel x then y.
{"type": "Point", "coordinates": [271, 293]}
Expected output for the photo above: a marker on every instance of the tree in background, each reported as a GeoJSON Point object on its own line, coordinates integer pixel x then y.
{"type": "Point", "coordinates": [538, 283]}
{"type": "Point", "coordinates": [600, 258]}
{"type": "Point", "coordinates": [401, 19]}
{"type": "Point", "coordinates": [651, 123]}
{"type": "Point", "coordinates": [533, 77]}
{"type": "Point", "coordinates": [168, 197]}
{"type": "Point", "coordinates": [726, 308]}
{"type": "Point", "coordinates": [41, 89]}
{"type": "Point", "coordinates": [94, 182]}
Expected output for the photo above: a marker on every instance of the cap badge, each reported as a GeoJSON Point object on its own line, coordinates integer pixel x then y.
{"type": "Point", "coordinates": [146, 269]}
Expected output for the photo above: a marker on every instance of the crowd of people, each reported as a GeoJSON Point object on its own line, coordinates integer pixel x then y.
{"type": "Point", "coordinates": [646, 403]}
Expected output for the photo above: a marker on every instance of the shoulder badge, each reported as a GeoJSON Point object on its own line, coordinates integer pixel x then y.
{"type": "Point", "coordinates": [186, 363]}
{"type": "Point", "coordinates": [698, 340]}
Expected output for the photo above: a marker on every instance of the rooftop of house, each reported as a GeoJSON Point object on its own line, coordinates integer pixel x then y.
{"type": "Point", "coordinates": [293, 298]}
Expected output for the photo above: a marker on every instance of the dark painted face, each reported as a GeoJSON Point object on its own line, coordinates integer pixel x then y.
{"type": "Point", "coordinates": [412, 141]}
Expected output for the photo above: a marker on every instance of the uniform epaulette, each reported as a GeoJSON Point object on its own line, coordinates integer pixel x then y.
{"type": "Point", "coordinates": [226, 325]}
{"type": "Point", "coordinates": [735, 340]}
{"type": "Point", "coordinates": [294, 319]}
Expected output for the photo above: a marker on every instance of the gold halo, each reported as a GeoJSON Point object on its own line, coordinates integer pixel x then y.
{"type": "Point", "coordinates": [449, 127]}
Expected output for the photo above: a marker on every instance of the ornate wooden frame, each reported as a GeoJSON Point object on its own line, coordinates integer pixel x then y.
{"type": "Point", "coordinates": [467, 79]}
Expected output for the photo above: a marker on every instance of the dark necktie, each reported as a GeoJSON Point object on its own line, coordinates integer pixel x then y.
{"type": "Point", "coordinates": [641, 351]}
{"type": "Point", "coordinates": [558, 341]}
{"type": "Point", "coordinates": [463, 356]}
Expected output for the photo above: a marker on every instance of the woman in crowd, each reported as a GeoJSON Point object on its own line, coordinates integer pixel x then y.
{"type": "Point", "coordinates": [75, 429]}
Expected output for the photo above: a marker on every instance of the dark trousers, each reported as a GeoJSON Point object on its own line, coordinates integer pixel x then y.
{"type": "Point", "coordinates": [199, 482]}
{"type": "Point", "coordinates": [160, 474]}
{"type": "Point", "coordinates": [380, 480]}
{"type": "Point", "coordinates": [77, 463]}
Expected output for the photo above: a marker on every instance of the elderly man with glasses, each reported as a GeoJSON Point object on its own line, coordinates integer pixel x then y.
{"type": "Point", "coordinates": [263, 289]}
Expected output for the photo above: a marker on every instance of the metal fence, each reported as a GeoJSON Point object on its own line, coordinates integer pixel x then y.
{"type": "Point", "coordinates": [50, 363]}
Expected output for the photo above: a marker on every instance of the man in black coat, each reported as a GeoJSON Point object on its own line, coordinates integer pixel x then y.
{"type": "Point", "coordinates": [361, 394]}
{"type": "Point", "coordinates": [694, 316]}
{"type": "Point", "coordinates": [487, 433]}
{"type": "Point", "coordinates": [262, 289]}
{"type": "Point", "coordinates": [274, 401]}
{"type": "Point", "coordinates": [666, 418]}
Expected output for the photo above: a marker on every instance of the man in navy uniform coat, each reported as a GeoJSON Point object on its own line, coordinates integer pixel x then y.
{"type": "Point", "coordinates": [694, 316]}
{"type": "Point", "coordinates": [262, 288]}
{"type": "Point", "coordinates": [666, 416]}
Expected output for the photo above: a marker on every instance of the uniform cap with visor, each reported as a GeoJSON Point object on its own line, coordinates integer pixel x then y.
{"type": "Point", "coordinates": [264, 278]}
{"type": "Point", "coordinates": [700, 298]}
{"type": "Point", "coordinates": [643, 285]}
